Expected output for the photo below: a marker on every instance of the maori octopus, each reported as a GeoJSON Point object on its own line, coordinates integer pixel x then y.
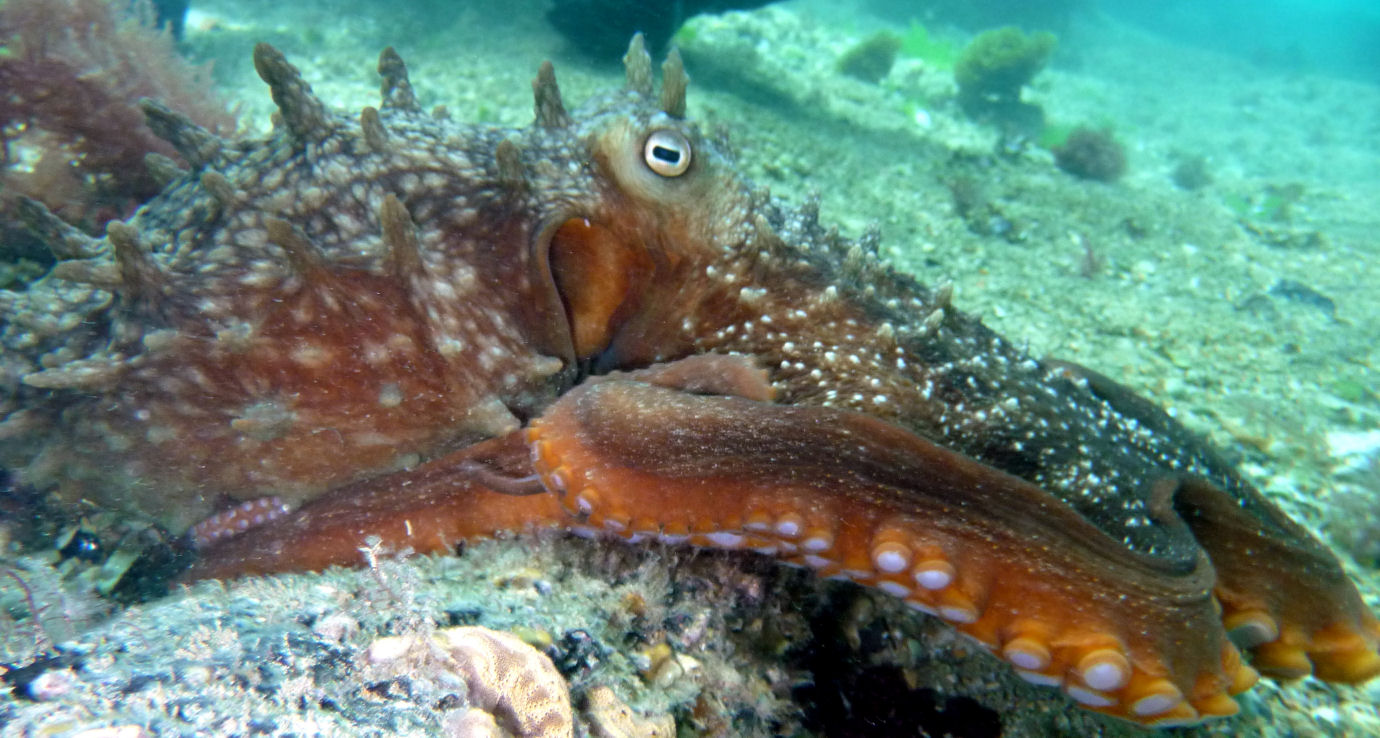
{"type": "Point", "coordinates": [396, 325]}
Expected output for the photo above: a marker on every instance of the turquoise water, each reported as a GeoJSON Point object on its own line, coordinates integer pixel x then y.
{"type": "Point", "coordinates": [1335, 38]}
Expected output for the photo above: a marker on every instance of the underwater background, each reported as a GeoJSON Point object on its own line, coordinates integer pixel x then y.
{"type": "Point", "coordinates": [1184, 196]}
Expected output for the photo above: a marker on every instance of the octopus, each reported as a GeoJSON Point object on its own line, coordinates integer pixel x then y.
{"type": "Point", "coordinates": [395, 327]}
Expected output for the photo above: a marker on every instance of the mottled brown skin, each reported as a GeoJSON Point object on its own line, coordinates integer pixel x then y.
{"type": "Point", "coordinates": [597, 307]}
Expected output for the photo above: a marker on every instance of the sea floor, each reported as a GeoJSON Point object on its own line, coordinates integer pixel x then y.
{"type": "Point", "coordinates": [1248, 306]}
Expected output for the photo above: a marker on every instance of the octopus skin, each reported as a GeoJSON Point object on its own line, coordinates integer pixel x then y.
{"type": "Point", "coordinates": [399, 326]}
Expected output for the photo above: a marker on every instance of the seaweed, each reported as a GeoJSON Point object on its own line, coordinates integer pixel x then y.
{"type": "Point", "coordinates": [1092, 153]}
{"type": "Point", "coordinates": [72, 133]}
{"type": "Point", "coordinates": [872, 59]}
{"type": "Point", "coordinates": [1274, 203]}
{"type": "Point", "coordinates": [917, 43]}
{"type": "Point", "coordinates": [992, 70]}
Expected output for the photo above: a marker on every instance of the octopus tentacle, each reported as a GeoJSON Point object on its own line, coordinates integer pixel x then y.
{"type": "Point", "coordinates": [476, 492]}
{"type": "Point", "coordinates": [732, 375]}
{"type": "Point", "coordinates": [428, 509]}
{"type": "Point", "coordinates": [237, 520]}
{"type": "Point", "coordinates": [1284, 596]}
{"type": "Point", "coordinates": [858, 498]}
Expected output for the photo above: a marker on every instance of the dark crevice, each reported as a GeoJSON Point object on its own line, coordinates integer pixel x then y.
{"type": "Point", "coordinates": [849, 698]}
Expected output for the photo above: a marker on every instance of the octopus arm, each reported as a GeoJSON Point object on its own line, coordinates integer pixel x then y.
{"type": "Point", "coordinates": [464, 495]}
{"type": "Point", "coordinates": [852, 496]}
{"type": "Point", "coordinates": [1283, 594]}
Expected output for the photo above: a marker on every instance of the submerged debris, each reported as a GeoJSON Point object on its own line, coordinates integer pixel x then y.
{"type": "Point", "coordinates": [1192, 173]}
{"type": "Point", "coordinates": [1298, 292]}
{"type": "Point", "coordinates": [511, 682]}
{"type": "Point", "coordinates": [601, 28]}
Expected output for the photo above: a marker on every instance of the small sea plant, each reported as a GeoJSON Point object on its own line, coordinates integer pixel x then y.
{"type": "Point", "coordinates": [992, 70]}
{"type": "Point", "coordinates": [872, 59]}
{"type": "Point", "coordinates": [1001, 61]}
{"type": "Point", "coordinates": [919, 43]}
{"type": "Point", "coordinates": [1092, 153]}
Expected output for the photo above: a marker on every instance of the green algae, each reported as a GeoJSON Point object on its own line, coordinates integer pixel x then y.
{"type": "Point", "coordinates": [918, 43]}
{"type": "Point", "coordinates": [1000, 62]}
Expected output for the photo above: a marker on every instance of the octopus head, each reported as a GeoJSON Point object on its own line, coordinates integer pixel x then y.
{"type": "Point", "coordinates": [665, 203]}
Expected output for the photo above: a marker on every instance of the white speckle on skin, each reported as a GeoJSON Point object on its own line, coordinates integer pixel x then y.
{"type": "Point", "coordinates": [390, 395]}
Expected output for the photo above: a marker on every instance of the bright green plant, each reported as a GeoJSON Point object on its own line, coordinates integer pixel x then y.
{"type": "Point", "coordinates": [1054, 135]}
{"type": "Point", "coordinates": [917, 43]}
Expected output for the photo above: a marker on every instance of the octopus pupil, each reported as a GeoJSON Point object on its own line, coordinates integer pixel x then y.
{"type": "Point", "coordinates": [670, 156]}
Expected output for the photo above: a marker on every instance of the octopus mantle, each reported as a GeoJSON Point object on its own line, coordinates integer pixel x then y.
{"type": "Point", "coordinates": [398, 325]}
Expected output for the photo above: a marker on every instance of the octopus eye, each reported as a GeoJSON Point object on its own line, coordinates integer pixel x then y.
{"type": "Point", "coordinates": [667, 153]}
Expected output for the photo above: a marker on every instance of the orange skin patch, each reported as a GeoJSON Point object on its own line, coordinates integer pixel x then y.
{"type": "Point", "coordinates": [320, 360]}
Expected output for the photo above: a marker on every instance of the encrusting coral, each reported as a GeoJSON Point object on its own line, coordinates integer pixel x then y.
{"type": "Point", "coordinates": [608, 717]}
{"type": "Point", "coordinates": [73, 134]}
{"type": "Point", "coordinates": [514, 683]}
